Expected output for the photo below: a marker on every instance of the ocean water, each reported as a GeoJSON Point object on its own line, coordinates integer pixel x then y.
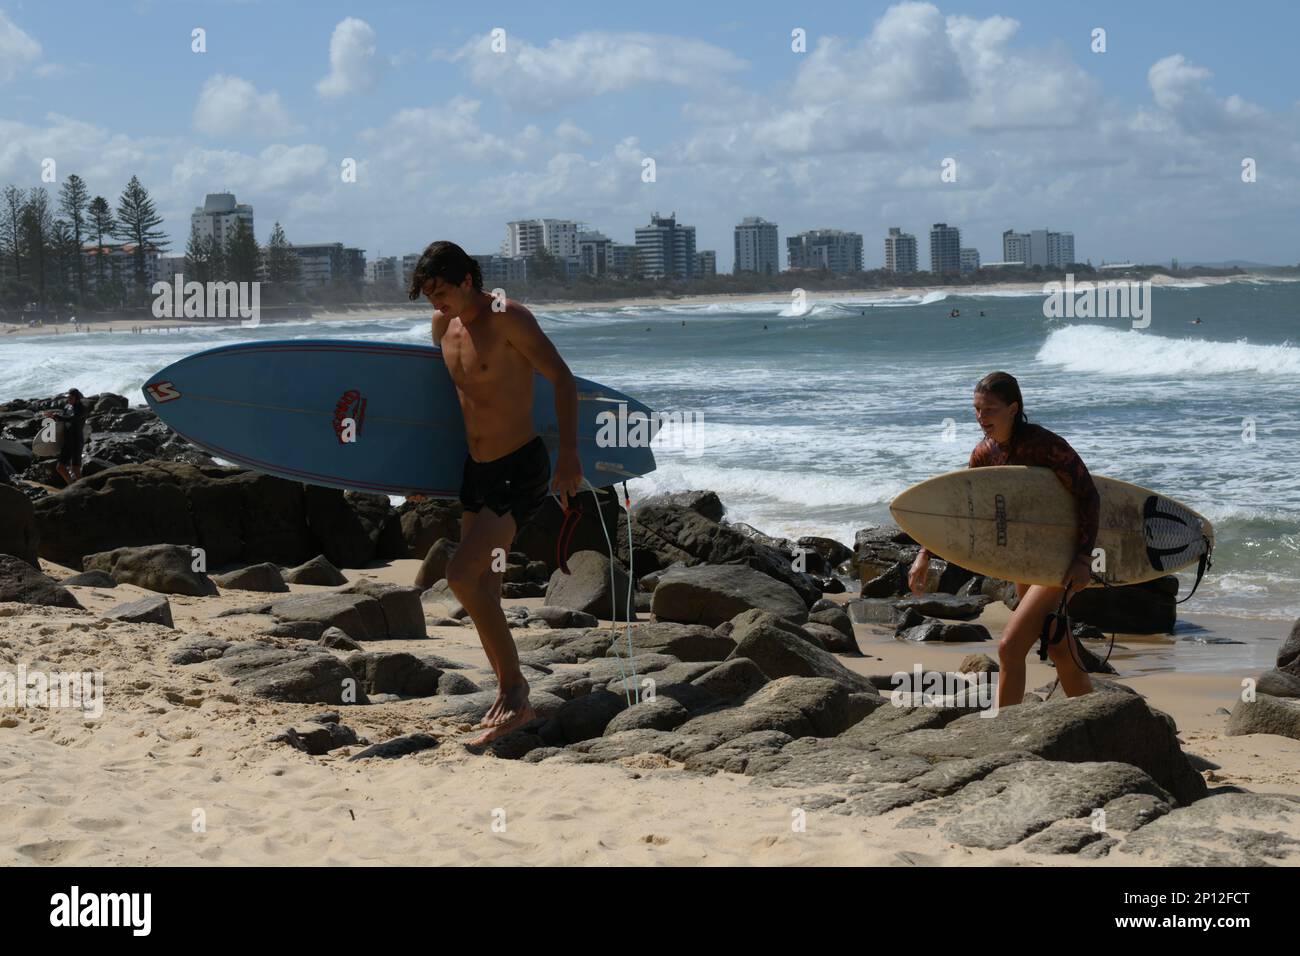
{"type": "Point", "coordinates": [811, 424]}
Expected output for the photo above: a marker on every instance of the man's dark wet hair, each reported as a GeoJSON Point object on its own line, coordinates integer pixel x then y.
{"type": "Point", "coordinates": [447, 261]}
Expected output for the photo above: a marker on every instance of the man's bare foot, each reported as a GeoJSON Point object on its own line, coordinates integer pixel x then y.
{"type": "Point", "coordinates": [493, 715]}
{"type": "Point", "coordinates": [515, 712]}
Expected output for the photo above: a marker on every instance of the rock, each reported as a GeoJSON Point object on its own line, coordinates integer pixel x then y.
{"type": "Point", "coordinates": [360, 616]}
{"type": "Point", "coordinates": [709, 595]}
{"type": "Point", "coordinates": [737, 754]}
{"type": "Point", "coordinates": [1265, 715]}
{"type": "Point", "coordinates": [1096, 727]}
{"type": "Point", "coordinates": [434, 566]}
{"type": "Point", "coordinates": [1146, 608]}
{"type": "Point", "coordinates": [978, 664]}
{"type": "Point", "coordinates": [452, 683]}
{"type": "Point", "coordinates": [778, 653]}
{"type": "Point", "coordinates": [18, 534]}
{"type": "Point", "coordinates": [299, 675]}
{"type": "Point", "coordinates": [704, 503]}
{"type": "Point", "coordinates": [661, 713]}
{"type": "Point", "coordinates": [154, 609]}
{"type": "Point", "coordinates": [554, 616]}
{"type": "Point", "coordinates": [1224, 829]}
{"type": "Point", "coordinates": [21, 582]}
{"type": "Point", "coordinates": [317, 739]}
{"type": "Point", "coordinates": [838, 618]}
{"type": "Point", "coordinates": [424, 522]}
{"type": "Point", "coordinates": [831, 639]}
{"type": "Point", "coordinates": [1278, 683]}
{"type": "Point", "coordinates": [1022, 799]}
{"type": "Point", "coordinates": [256, 577]}
{"type": "Point", "coordinates": [440, 600]}
{"type": "Point", "coordinates": [937, 631]}
{"type": "Point", "coordinates": [675, 681]}
{"type": "Point", "coordinates": [338, 639]}
{"type": "Point", "coordinates": [678, 534]}
{"type": "Point", "coordinates": [832, 552]}
{"type": "Point", "coordinates": [316, 571]}
{"type": "Point", "coordinates": [352, 527]}
{"type": "Point", "coordinates": [946, 606]}
{"type": "Point", "coordinates": [880, 547]}
{"type": "Point", "coordinates": [733, 680]}
{"type": "Point", "coordinates": [398, 747]}
{"type": "Point", "coordinates": [197, 649]}
{"type": "Point", "coordinates": [403, 674]}
{"type": "Point", "coordinates": [90, 579]}
{"type": "Point", "coordinates": [587, 587]}
{"type": "Point", "coordinates": [581, 718]}
{"type": "Point", "coordinates": [401, 607]}
{"type": "Point", "coordinates": [1288, 655]}
{"type": "Point", "coordinates": [297, 630]}
{"type": "Point", "coordinates": [890, 583]}
{"type": "Point", "coordinates": [797, 706]}
{"type": "Point", "coordinates": [165, 568]}
{"type": "Point", "coordinates": [470, 708]}
{"type": "Point", "coordinates": [686, 642]}
{"type": "Point", "coordinates": [872, 610]}
{"type": "Point", "coordinates": [234, 515]}
{"type": "Point", "coordinates": [569, 645]}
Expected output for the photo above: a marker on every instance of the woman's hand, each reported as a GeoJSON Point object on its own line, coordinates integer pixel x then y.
{"type": "Point", "coordinates": [1077, 577]}
{"type": "Point", "coordinates": [919, 571]}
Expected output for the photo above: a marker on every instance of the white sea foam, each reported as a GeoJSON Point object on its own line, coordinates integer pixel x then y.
{"type": "Point", "coordinates": [1128, 353]}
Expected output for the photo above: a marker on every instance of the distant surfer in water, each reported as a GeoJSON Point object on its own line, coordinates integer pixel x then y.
{"type": "Point", "coordinates": [1010, 439]}
{"type": "Point", "coordinates": [491, 356]}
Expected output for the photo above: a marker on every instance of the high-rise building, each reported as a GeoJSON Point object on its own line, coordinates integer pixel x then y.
{"type": "Point", "coordinates": [216, 218]}
{"type": "Point", "coordinates": [665, 249]}
{"type": "Point", "coordinates": [624, 261]}
{"type": "Point", "coordinates": [527, 237]}
{"type": "Point", "coordinates": [945, 249]}
{"type": "Point", "coordinates": [706, 263]}
{"type": "Point", "coordinates": [1039, 247]}
{"type": "Point", "coordinates": [757, 249]}
{"type": "Point", "coordinates": [970, 260]}
{"type": "Point", "coordinates": [385, 271]}
{"type": "Point", "coordinates": [831, 249]}
{"type": "Point", "coordinates": [593, 252]}
{"type": "Point", "coordinates": [900, 251]}
{"type": "Point", "coordinates": [329, 262]}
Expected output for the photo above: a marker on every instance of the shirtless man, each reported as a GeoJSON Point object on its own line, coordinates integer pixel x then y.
{"type": "Point", "coordinates": [491, 357]}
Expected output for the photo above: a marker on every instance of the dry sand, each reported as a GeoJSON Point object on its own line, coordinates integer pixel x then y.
{"type": "Point", "coordinates": [175, 742]}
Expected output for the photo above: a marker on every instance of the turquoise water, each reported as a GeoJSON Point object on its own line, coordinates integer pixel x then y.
{"type": "Point", "coordinates": [813, 423]}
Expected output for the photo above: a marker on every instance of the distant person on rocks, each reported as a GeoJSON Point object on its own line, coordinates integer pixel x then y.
{"type": "Point", "coordinates": [73, 417]}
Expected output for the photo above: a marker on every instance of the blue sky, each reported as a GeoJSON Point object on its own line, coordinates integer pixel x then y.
{"type": "Point", "coordinates": [1136, 150]}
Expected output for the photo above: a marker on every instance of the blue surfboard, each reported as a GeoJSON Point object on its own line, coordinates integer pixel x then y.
{"type": "Point", "coordinates": [368, 416]}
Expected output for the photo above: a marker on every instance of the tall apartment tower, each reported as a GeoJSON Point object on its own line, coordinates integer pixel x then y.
{"type": "Point", "coordinates": [665, 249]}
{"type": "Point", "coordinates": [216, 218]}
{"type": "Point", "coordinates": [757, 250]}
{"type": "Point", "coordinates": [900, 251]}
{"type": "Point", "coordinates": [945, 249]}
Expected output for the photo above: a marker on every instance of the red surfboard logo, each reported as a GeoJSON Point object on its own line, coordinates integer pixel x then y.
{"type": "Point", "coordinates": [350, 405]}
{"type": "Point", "coordinates": [163, 392]}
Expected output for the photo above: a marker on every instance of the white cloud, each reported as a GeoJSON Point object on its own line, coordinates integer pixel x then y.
{"type": "Point", "coordinates": [590, 64]}
{"type": "Point", "coordinates": [354, 67]}
{"type": "Point", "coordinates": [1181, 89]}
{"type": "Point", "coordinates": [232, 106]}
{"type": "Point", "coordinates": [17, 49]}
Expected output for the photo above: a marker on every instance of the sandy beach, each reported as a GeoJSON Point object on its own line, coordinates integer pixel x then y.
{"type": "Point", "coordinates": [175, 744]}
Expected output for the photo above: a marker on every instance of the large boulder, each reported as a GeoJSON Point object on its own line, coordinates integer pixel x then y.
{"type": "Point", "coordinates": [256, 577]}
{"type": "Point", "coordinates": [232, 514]}
{"type": "Point", "coordinates": [434, 566]}
{"type": "Point", "coordinates": [948, 606]}
{"type": "Point", "coordinates": [881, 548]}
{"type": "Point", "coordinates": [154, 609]}
{"type": "Point", "coordinates": [300, 675]}
{"type": "Point", "coordinates": [1147, 608]}
{"type": "Point", "coordinates": [1094, 727]}
{"type": "Point", "coordinates": [403, 674]}
{"type": "Point", "coordinates": [360, 616]}
{"type": "Point", "coordinates": [582, 718]}
{"type": "Point", "coordinates": [674, 533]}
{"type": "Point", "coordinates": [711, 594]}
{"type": "Point", "coordinates": [424, 522]}
{"type": "Point", "coordinates": [1265, 714]}
{"type": "Point", "coordinates": [21, 582]}
{"type": "Point", "coordinates": [797, 706]}
{"type": "Point", "coordinates": [686, 642]}
{"type": "Point", "coordinates": [318, 570]}
{"type": "Point", "coordinates": [563, 645]}
{"type": "Point", "coordinates": [780, 653]}
{"type": "Point", "coordinates": [165, 568]}
{"type": "Point", "coordinates": [18, 534]}
{"type": "Point", "coordinates": [1288, 655]}
{"type": "Point", "coordinates": [401, 606]}
{"type": "Point", "coordinates": [587, 587]}
{"type": "Point", "coordinates": [353, 528]}
{"type": "Point", "coordinates": [705, 503]}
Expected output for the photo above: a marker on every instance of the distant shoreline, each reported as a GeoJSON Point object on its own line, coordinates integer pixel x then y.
{"type": "Point", "coordinates": [417, 310]}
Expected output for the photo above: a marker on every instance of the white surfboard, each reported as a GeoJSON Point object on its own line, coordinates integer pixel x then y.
{"type": "Point", "coordinates": [1019, 523]}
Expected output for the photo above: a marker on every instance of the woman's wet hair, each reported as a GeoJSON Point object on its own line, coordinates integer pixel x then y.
{"type": "Point", "coordinates": [1005, 387]}
{"type": "Point", "coordinates": [447, 261]}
